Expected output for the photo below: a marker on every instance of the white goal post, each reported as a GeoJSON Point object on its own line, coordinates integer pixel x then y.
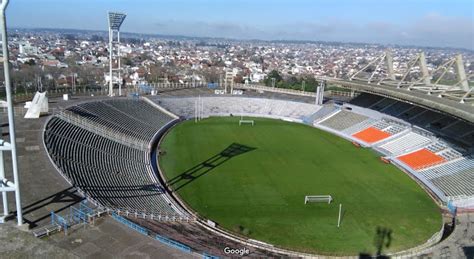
{"type": "Point", "coordinates": [317, 198]}
{"type": "Point", "coordinates": [242, 121]}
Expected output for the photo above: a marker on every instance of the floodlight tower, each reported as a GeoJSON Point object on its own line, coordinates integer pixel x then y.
{"type": "Point", "coordinates": [5, 184]}
{"type": "Point", "coordinates": [115, 21]}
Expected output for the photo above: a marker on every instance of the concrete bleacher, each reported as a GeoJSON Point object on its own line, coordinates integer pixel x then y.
{"type": "Point", "coordinates": [360, 126]}
{"type": "Point", "coordinates": [450, 154]}
{"type": "Point", "coordinates": [185, 106]}
{"type": "Point", "coordinates": [343, 120]}
{"type": "Point", "coordinates": [115, 175]}
{"type": "Point", "coordinates": [425, 118]}
{"type": "Point", "coordinates": [442, 123]}
{"type": "Point", "coordinates": [437, 147]}
{"type": "Point", "coordinates": [383, 104]}
{"type": "Point", "coordinates": [459, 128]}
{"type": "Point", "coordinates": [366, 100]}
{"type": "Point", "coordinates": [322, 113]}
{"type": "Point", "coordinates": [445, 168]}
{"type": "Point", "coordinates": [397, 108]}
{"type": "Point", "coordinates": [391, 127]}
{"type": "Point", "coordinates": [404, 143]}
{"type": "Point", "coordinates": [412, 113]}
{"type": "Point", "coordinates": [452, 167]}
{"type": "Point", "coordinates": [457, 184]}
{"type": "Point", "coordinates": [112, 173]}
{"type": "Point", "coordinates": [135, 118]}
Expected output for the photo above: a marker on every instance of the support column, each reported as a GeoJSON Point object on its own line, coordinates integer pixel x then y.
{"type": "Point", "coordinates": [111, 84]}
{"type": "Point", "coordinates": [461, 73]}
{"type": "Point", "coordinates": [11, 116]}
{"type": "Point", "coordinates": [389, 63]}
{"type": "Point", "coordinates": [424, 69]}
{"type": "Point", "coordinates": [4, 194]}
{"type": "Point", "coordinates": [119, 65]}
{"type": "Point", "coordinates": [317, 95]}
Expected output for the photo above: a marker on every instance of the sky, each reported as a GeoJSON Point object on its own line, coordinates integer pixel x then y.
{"type": "Point", "coordinates": [434, 23]}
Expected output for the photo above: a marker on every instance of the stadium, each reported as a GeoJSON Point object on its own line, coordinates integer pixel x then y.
{"type": "Point", "coordinates": [244, 167]}
{"type": "Point", "coordinates": [381, 166]}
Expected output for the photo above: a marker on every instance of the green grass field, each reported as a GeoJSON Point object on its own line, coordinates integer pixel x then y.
{"type": "Point", "coordinates": [253, 180]}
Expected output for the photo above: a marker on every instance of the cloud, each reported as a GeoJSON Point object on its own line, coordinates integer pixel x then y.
{"type": "Point", "coordinates": [381, 28]}
{"type": "Point", "coordinates": [432, 30]}
{"type": "Point", "coordinates": [443, 31]}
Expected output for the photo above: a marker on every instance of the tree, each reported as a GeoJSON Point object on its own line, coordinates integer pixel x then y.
{"type": "Point", "coordinates": [96, 38]}
{"type": "Point", "coordinates": [155, 73]}
{"type": "Point", "coordinates": [274, 74]}
{"type": "Point", "coordinates": [127, 62]}
{"type": "Point", "coordinates": [30, 62]}
{"type": "Point", "coordinates": [70, 37]}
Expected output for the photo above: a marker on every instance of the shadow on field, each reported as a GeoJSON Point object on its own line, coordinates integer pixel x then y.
{"type": "Point", "coordinates": [203, 168]}
{"type": "Point", "coordinates": [382, 240]}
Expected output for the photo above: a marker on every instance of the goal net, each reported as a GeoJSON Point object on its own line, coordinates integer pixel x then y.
{"type": "Point", "coordinates": [317, 198]}
{"type": "Point", "coordinates": [244, 121]}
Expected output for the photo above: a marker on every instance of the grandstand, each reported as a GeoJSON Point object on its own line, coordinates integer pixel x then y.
{"type": "Point", "coordinates": [433, 147]}
{"type": "Point", "coordinates": [134, 118]}
{"type": "Point", "coordinates": [455, 177]}
{"type": "Point", "coordinates": [225, 106]}
{"type": "Point", "coordinates": [322, 113]}
{"type": "Point", "coordinates": [115, 174]}
{"type": "Point", "coordinates": [443, 125]}
{"type": "Point", "coordinates": [420, 159]}
{"type": "Point", "coordinates": [343, 120]}
{"type": "Point", "coordinates": [439, 156]}
{"type": "Point", "coordinates": [371, 135]}
{"type": "Point", "coordinates": [405, 143]}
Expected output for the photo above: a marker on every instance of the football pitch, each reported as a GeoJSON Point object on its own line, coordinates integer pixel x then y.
{"type": "Point", "coordinates": [252, 181]}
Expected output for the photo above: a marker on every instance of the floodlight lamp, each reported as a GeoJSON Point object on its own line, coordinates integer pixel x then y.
{"type": "Point", "coordinates": [116, 20]}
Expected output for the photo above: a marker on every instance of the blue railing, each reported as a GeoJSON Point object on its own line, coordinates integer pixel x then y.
{"type": "Point", "coordinates": [452, 208]}
{"type": "Point", "coordinates": [162, 239]}
{"type": "Point", "coordinates": [208, 256]}
{"type": "Point", "coordinates": [173, 243]}
{"type": "Point", "coordinates": [60, 221]}
{"type": "Point", "coordinates": [212, 85]}
{"type": "Point", "coordinates": [130, 224]}
{"type": "Point", "coordinates": [81, 214]}
{"type": "Point", "coordinates": [145, 232]}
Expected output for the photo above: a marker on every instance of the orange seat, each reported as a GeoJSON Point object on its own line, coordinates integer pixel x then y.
{"type": "Point", "coordinates": [371, 135]}
{"type": "Point", "coordinates": [421, 159]}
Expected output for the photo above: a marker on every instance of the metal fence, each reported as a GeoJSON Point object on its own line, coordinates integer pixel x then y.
{"type": "Point", "coordinates": [130, 224]}
{"type": "Point", "coordinates": [173, 243]}
{"type": "Point", "coordinates": [146, 232]}
{"type": "Point", "coordinates": [102, 130]}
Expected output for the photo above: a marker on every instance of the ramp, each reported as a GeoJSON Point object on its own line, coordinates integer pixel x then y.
{"type": "Point", "coordinates": [39, 105]}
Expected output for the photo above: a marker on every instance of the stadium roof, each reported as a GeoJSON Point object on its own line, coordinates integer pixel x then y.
{"type": "Point", "coordinates": [444, 105]}
{"type": "Point", "coordinates": [116, 20]}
